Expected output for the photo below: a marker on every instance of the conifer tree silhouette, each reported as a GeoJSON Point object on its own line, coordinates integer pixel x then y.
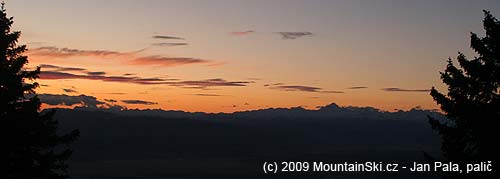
{"type": "Point", "coordinates": [472, 105]}
{"type": "Point", "coordinates": [30, 146]}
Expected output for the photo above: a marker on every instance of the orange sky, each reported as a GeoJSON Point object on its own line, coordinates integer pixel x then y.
{"type": "Point", "coordinates": [229, 56]}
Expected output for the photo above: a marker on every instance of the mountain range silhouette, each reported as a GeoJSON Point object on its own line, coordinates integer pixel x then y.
{"type": "Point", "coordinates": [130, 143]}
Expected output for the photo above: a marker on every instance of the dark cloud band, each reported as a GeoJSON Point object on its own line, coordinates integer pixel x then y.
{"type": "Point", "coordinates": [167, 37]}
{"type": "Point", "coordinates": [198, 84]}
{"type": "Point", "coordinates": [357, 87]}
{"type": "Point", "coordinates": [66, 100]}
{"type": "Point", "coordinates": [167, 44]}
{"type": "Point", "coordinates": [405, 90]}
{"type": "Point", "coordinates": [294, 35]}
{"type": "Point", "coordinates": [138, 102]}
{"type": "Point", "coordinates": [302, 88]}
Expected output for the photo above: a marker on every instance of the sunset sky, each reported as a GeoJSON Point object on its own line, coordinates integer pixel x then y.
{"type": "Point", "coordinates": [224, 56]}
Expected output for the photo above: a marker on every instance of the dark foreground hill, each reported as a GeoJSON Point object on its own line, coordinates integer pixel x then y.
{"type": "Point", "coordinates": [175, 144]}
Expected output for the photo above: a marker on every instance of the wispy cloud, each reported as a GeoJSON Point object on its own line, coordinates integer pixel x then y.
{"type": "Point", "coordinates": [208, 95]}
{"type": "Point", "coordinates": [298, 88]}
{"type": "Point", "coordinates": [294, 35]}
{"type": "Point", "coordinates": [284, 35]}
{"type": "Point", "coordinates": [54, 75]}
{"type": "Point", "coordinates": [166, 61]}
{"type": "Point", "coordinates": [56, 68]}
{"type": "Point", "coordinates": [198, 84]}
{"type": "Point", "coordinates": [254, 79]}
{"type": "Point", "coordinates": [69, 90]}
{"type": "Point", "coordinates": [215, 64]}
{"type": "Point", "coordinates": [167, 37]}
{"type": "Point", "coordinates": [357, 87]}
{"type": "Point", "coordinates": [169, 44]}
{"type": "Point", "coordinates": [59, 68]}
{"type": "Point", "coordinates": [138, 102]}
{"type": "Point", "coordinates": [331, 91]}
{"type": "Point", "coordinates": [405, 90]}
{"type": "Point", "coordinates": [216, 82]}
{"type": "Point", "coordinates": [242, 33]}
{"type": "Point", "coordinates": [275, 84]}
{"type": "Point", "coordinates": [303, 88]}
{"type": "Point", "coordinates": [131, 58]}
{"type": "Point", "coordinates": [96, 73]}
{"type": "Point", "coordinates": [51, 51]}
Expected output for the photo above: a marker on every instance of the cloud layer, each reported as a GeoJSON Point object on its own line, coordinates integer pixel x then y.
{"type": "Point", "coordinates": [357, 87]}
{"type": "Point", "coordinates": [197, 84]}
{"type": "Point", "coordinates": [166, 61]}
{"type": "Point", "coordinates": [138, 102]}
{"type": "Point", "coordinates": [284, 35]}
{"type": "Point", "coordinates": [294, 35]}
{"type": "Point", "coordinates": [51, 51]}
{"type": "Point", "coordinates": [302, 88]}
{"type": "Point", "coordinates": [59, 68]}
{"type": "Point", "coordinates": [167, 37]}
{"type": "Point", "coordinates": [211, 83]}
{"type": "Point", "coordinates": [208, 95]}
{"type": "Point", "coordinates": [131, 58]}
{"type": "Point", "coordinates": [66, 100]}
{"type": "Point", "coordinates": [54, 75]}
{"type": "Point", "coordinates": [96, 73]}
{"type": "Point", "coordinates": [169, 44]}
{"type": "Point", "coordinates": [242, 33]}
{"type": "Point", "coordinates": [69, 90]}
{"type": "Point", "coordinates": [85, 101]}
